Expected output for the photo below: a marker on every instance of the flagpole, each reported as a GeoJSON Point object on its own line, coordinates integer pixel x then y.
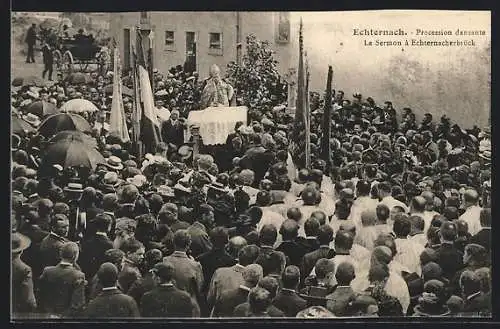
{"type": "Point", "coordinates": [307, 119]}
{"type": "Point", "coordinates": [150, 59]}
{"type": "Point", "coordinates": [325, 140]}
{"type": "Point", "coordinates": [136, 124]}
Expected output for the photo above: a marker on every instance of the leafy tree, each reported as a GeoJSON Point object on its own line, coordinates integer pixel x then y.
{"type": "Point", "coordinates": [257, 82]}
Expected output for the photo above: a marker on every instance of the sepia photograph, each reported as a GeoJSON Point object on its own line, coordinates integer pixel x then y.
{"type": "Point", "coordinates": [250, 164]}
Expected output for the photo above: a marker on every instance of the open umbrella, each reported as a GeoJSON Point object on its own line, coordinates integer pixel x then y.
{"type": "Point", "coordinates": [71, 153]}
{"type": "Point", "coordinates": [79, 78]}
{"type": "Point", "coordinates": [79, 105]}
{"type": "Point", "coordinates": [63, 121]}
{"type": "Point", "coordinates": [31, 80]}
{"type": "Point", "coordinates": [42, 108]}
{"type": "Point", "coordinates": [20, 126]}
{"type": "Point", "coordinates": [126, 91]}
{"type": "Point", "coordinates": [74, 135]}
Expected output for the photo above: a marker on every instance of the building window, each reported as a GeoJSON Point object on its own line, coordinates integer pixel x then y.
{"type": "Point", "coordinates": [215, 43]}
{"type": "Point", "coordinates": [144, 14]}
{"type": "Point", "coordinates": [169, 40]}
{"type": "Point", "coordinates": [283, 28]}
{"type": "Point", "coordinates": [216, 40]}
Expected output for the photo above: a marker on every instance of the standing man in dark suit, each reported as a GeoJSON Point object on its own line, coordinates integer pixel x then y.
{"type": "Point", "coordinates": [483, 237]}
{"type": "Point", "coordinates": [31, 41]}
{"type": "Point", "coordinates": [325, 236]}
{"type": "Point", "coordinates": [48, 60]}
{"type": "Point", "coordinates": [130, 273]}
{"type": "Point", "coordinates": [166, 300]}
{"type": "Point", "coordinates": [23, 297]}
{"type": "Point", "coordinates": [111, 303]}
{"type": "Point", "coordinates": [293, 251]}
{"type": "Point", "coordinates": [288, 300]}
{"type": "Point", "coordinates": [449, 257]}
{"type": "Point", "coordinates": [217, 257]}
{"type": "Point", "coordinates": [172, 130]}
{"type": "Point", "coordinates": [51, 245]}
{"type": "Point", "coordinates": [61, 290]}
{"type": "Point", "coordinates": [188, 274]}
{"type": "Point", "coordinates": [94, 248]}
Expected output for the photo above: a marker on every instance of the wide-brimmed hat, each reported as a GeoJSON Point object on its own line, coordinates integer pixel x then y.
{"type": "Point", "coordinates": [114, 162]}
{"type": "Point", "coordinates": [32, 119]}
{"type": "Point", "coordinates": [19, 242]}
{"type": "Point", "coordinates": [74, 187]}
{"type": "Point", "coordinates": [138, 180]}
{"type": "Point", "coordinates": [185, 152]}
{"type": "Point", "coordinates": [111, 178]}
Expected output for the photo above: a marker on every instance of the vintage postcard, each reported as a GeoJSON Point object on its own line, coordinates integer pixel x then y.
{"type": "Point", "coordinates": [214, 165]}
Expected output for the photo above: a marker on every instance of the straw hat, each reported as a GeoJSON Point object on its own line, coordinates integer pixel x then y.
{"type": "Point", "coordinates": [111, 178]}
{"type": "Point", "coordinates": [138, 180]}
{"type": "Point", "coordinates": [74, 187]}
{"type": "Point", "coordinates": [185, 152]}
{"type": "Point", "coordinates": [114, 162]}
{"type": "Point", "coordinates": [19, 242]}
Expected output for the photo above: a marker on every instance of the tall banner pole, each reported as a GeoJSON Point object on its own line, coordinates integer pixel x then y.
{"type": "Point", "coordinates": [307, 118]}
{"type": "Point", "coordinates": [327, 117]}
{"type": "Point", "coordinates": [151, 37]}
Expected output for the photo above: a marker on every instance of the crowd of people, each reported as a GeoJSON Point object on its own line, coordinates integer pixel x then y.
{"type": "Point", "coordinates": [397, 222]}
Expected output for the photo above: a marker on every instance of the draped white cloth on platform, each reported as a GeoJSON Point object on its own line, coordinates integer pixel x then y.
{"type": "Point", "coordinates": [216, 123]}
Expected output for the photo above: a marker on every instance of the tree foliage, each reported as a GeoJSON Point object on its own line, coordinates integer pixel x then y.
{"type": "Point", "coordinates": [257, 82]}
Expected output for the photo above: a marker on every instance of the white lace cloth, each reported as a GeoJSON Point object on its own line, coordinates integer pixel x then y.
{"type": "Point", "coordinates": [216, 123]}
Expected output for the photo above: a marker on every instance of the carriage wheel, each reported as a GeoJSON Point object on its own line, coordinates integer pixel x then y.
{"type": "Point", "coordinates": [68, 62]}
{"type": "Point", "coordinates": [83, 66]}
{"type": "Point", "coordinates": [58, 60]}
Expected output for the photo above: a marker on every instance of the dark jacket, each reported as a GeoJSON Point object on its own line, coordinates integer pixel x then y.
{"type": "Point", "coordinates": [227, 302]}
{"type": "Point", "coordinates": [172, 133]}
{"type": "Point", "coordinates": [112, 304]}
{"type": "Point", "coordinates": [310, 259]}
{"type": "Point", "coordinates": [293, 251]}
{"type": "Point", "coordinates": [483, 238]}
{"type": "Point", "coordinates": [61, 290]}
{"type": "Point", "coordinates": [31, 256]}
{"type": "Point", "coordinates": [243, 310]}
{"type": "Point", "coordinates": [450, 259]}
{"type": "Point", "coordinates": [258, 159]}
{"type": "Point", "coordinates": [92, 253]}
{"type": "Point", "coordinates": [142, 286]}
{"type": "Point", "coordinates": [166, 301]}
{"type": "Point", "coordinates": [309, 244]}
{"type": "Point", "coordinates": [30, 36]}
{"type": "Point", "coordinates": [128, 276]}
{"type": "Point", "coordinates": [211, 261]}
{"type": "Point", "coordinates": [50, 248]}
{"type": "Point", "coordinates": [263, 261]}
{"type": "Point", "coordinates": [200, 241]}
{"type": "Point", "coordinates": [23, 297]}
{"type": "Point", "coordinates": [289, 302]}
{"type": "Point", "coordinates": [478, 305]}
{"type": "Point", "coordinates": [338, 301]}
{"type": "Point", "coordinates": [125, 210]}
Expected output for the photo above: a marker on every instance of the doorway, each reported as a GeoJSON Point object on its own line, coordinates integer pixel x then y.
{"type": "Point", "coordinates": [190, 64]}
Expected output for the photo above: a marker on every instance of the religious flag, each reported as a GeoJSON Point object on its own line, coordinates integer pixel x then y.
{"type": "Point", "coordinates": [117, 121]}
{"type": "Point", "coordinates": [150, 134]}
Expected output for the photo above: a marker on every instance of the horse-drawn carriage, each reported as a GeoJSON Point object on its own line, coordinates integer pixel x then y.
{"type": "Point", "coordinates": [80, 54]}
